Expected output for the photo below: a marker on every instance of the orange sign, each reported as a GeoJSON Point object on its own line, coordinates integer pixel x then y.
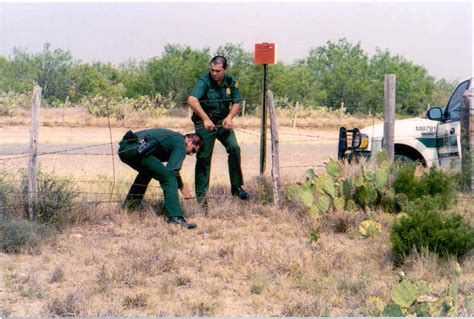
{"type": "Point", "coordinates": [265, 53]}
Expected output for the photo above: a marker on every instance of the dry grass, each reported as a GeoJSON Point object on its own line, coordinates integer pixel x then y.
{"type": "Point", "coordinates": [244, 259]}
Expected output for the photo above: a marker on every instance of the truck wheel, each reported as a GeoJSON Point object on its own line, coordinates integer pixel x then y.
{"type": "Point", "coordinates": [407, 154]}
{"type": "Point", "coordinates": [402, 158]}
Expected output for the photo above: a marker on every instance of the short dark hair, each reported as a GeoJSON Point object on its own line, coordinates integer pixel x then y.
{"type": "Point", "coordinates": [219, 59]}
{"type": "Point", "coordinates": [196, 139]}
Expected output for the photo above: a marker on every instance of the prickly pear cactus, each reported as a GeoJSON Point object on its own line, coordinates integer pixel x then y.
{"type": "Point", "coordinates": [339, 204]}
{"type": "Point", "coordinates": [370, 228]}
{"type": "Point", "coordinates": [405, 292]}
{"type": "Point", "coordinates": [298, 194]}
{"type": "Point", "coordinates": [375, 306]}
{"type": "Point", "coordinates": [392, 310]}
{"type": "Point", "coordinates": [380, 180]}
{"type": "Point", "coordinates": [310, 174]}
{"type": "Point", "coordinates": [412, 298]}
{"type": "Point", "coordinates": [325, 185]}
{"type": "Point", "coordinates": [333, 168]}
{"type": "Point", "coordinates": [314, 212]}
{"type": "Point", "coordinates": [323, 203]}
{"type": "Point", "coordinates": [351, 205]}
{"type": "Point", "coordinates": [347, 188]}
{"type": "Point", "coordinates": [369, 175]}
{"type": "Point", "coordinates": [359, 180]}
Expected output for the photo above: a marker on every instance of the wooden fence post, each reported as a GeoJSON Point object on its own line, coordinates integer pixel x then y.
{"type": "Point", "coordinates": [66, 102]}
{"type": "Point", "coordinates": [275, 153]}
{"type": "Point", "coordinates": [467, 141]}
{"type": "Point", "coordinates": [32, 181]}
{"type": "Point", "coordinates": [297, 107]}
{"type": "Point", "coordinates": [389, 115]}
{"type": "Point", "coordinates": [342, 110]}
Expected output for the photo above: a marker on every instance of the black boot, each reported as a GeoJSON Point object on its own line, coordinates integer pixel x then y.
{"type": "Point", "coordinates": [178, 220]}
{"type": "Point", "coordinates": [241, 193]}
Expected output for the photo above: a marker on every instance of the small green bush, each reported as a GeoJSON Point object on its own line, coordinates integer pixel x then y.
{"type": "Point", "coordinates": [56, 205]}
{"type": "Point", "coordinates": [425, 226]}
{"type": "Point", "coordinates": [5, 192]}
{"type": "Point", "coordinates": [433, 183]}
{"type": "Point", "coordinates": [406, 181]}
{"type": "Point", "coordinates": [103, 107]}
{"type": "Point", "coordinates": [17, 235]}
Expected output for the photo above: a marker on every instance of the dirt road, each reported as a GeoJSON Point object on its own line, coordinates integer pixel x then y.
{"type": "Point", "coordinates": [85, 153]}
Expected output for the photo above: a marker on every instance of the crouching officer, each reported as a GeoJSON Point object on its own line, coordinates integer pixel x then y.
{"type": "Point", "coordinates": [145, 151]}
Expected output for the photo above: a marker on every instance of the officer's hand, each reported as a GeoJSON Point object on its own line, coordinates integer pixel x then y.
{"type": "Point", "coordinates": [227, 123]}
{"type": "Point", "coordinates": [186, 193]}
{"type": "Point", "coordinates": [209, 125]}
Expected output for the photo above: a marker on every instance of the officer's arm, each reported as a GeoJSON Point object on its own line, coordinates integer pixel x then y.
{"type": "Point", "coordinates": [234, 110]}
{"type": "Point", "coordinates": [175, 162]}
{"type": "Point", "coordinates": [197, 108]}
{"type": "Point", "coordinates": [194, 104]}
{"type": "Point", "coordinates": [227, 122]}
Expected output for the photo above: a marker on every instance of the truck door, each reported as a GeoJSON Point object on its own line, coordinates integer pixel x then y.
{"type": "Point", "coordinates": [449, 130]}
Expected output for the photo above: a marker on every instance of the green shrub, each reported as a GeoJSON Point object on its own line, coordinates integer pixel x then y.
{"type": "Point", "coordinates": [437, 182]}
{"type": "Point", "coordinates": [56, 205]}
{"type": "Point", "coordinates": [103, 107]}
{"type": "Point", "coordinates": [406, 181]}
{"type": "Point", "coordinates": [425, 226]}
{"type": "Point", "coordinates": [5, 193]}
{"type": "Point", "coordinates": [17, 235]}
{"type": "Point", "coordinates": [433, 183]}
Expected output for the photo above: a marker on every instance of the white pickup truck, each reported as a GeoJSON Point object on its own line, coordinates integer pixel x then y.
{"type": "Point", "coordinates": [434, 141]}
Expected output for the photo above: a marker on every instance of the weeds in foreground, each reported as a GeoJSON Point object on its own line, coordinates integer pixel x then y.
{"type": "Point", "coordinates": [19, 235]}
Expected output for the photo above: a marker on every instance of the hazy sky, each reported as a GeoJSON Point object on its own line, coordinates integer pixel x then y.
{"type": "Point", "coordinates": [436, 35]}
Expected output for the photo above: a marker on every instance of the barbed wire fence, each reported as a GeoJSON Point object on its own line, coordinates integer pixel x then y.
{"type": "Point", "coordinates": [285, 138]}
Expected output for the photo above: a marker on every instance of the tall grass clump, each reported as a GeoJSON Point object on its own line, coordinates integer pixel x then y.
{"type": "Point", "coordinates": [56, 204]}
{"type": "Point", "coordinates": [17, 235]}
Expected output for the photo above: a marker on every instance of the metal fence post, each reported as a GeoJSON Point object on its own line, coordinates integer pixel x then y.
{"type": "Point", "coordinates": [389, 115]}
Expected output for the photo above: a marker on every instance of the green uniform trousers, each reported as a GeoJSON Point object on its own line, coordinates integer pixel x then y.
{"type": "Point", "coordinates": [149, 167]}
{"type": "Point", "coordinates": [204, 156]}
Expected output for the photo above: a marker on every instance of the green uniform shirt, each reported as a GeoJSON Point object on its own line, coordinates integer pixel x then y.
{"type": "Point", "coordinates": [172, 149]}
{"type": "Point", "coordinates": [215, 100]}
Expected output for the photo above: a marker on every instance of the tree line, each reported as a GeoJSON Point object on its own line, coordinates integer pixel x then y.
{"type": "Point", "coordinates": [337, 72]}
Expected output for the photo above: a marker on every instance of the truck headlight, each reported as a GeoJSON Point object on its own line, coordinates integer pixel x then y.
{"type": "Point", "coordinates": [361, 141]}
{"type": "Point", "coordinates": [364, 141]}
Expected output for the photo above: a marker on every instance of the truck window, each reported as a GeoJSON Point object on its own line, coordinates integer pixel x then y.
{"type": "Point", "coordinates": [453, 109]}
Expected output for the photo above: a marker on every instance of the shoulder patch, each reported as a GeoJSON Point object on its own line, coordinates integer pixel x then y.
{"type": "Point", "coordinates": [236, 84]}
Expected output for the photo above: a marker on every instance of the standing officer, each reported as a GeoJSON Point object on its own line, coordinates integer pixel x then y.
{"type": "Point", "coordinates": [145, 151]}
{"type": "Point", "coordinates": [215, 100]}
